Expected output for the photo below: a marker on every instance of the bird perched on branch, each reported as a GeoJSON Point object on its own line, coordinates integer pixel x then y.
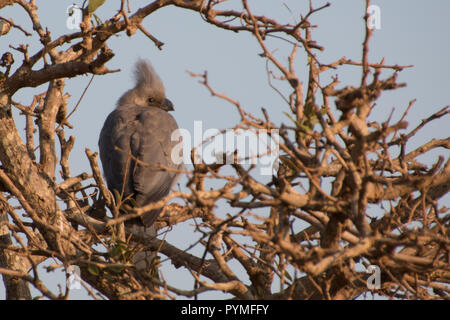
{"type": "Point", "coordinates": [135, 142]}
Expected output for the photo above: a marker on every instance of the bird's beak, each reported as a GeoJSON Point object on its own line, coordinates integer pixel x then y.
{"type": "Point", "coordinates": [167, 105]}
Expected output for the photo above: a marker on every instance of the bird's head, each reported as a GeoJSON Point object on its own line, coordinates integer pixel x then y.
{"type": "Point", "coordinates": [149, 90]}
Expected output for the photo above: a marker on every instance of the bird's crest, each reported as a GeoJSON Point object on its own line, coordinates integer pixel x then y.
{"type": "Point", "coordinates": [146, 76]}
{"type": "Point", "coordinates": [147, 83]}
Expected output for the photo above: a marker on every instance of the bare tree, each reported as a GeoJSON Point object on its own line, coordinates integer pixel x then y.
{"type": "Point", "coordinates": [334, 165]}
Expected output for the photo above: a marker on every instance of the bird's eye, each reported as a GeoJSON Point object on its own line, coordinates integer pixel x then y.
{"type": "Point", "coordinates": [151, 100]}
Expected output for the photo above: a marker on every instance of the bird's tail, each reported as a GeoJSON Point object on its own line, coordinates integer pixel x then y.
{"type": "Point", "coordinates": [150, 217]}
{"type": "Point", "coordinates": [145, 260]}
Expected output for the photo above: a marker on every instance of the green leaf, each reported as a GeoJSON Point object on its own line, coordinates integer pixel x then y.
{"type": "Point", "coordinates": [115, 252]}
{"type": "Point", "coordinates": [97, 19]}
{"type": "Point", "coordinates": [287, 275]}
{"type": "Point", "coordinates": [115, 269]}
{"type": "Point", "coordinates": [133, 203]}
{"type": "Point", "coordinates": [289, 163]}
{"type": "Point", "coordinates": [117, 196]}
{"type": "Point", "coordinates": [108, 277]}
{"type": "Point", "coordinates": [120, 242]}
{"type": "Point", "coordinates": [93, 269]}
{"type": "Point", "coordinates": [94, 4]}
{"type": "Point", "coordinates": [297, 124]}
{"type": "Point", "coordinates": [305, 128]}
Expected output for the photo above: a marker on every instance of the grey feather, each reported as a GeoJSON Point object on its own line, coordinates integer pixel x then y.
{"type": "Point", "coordinates": [147, 82]}
{"type": "Point", "coordinates": [143, 130]}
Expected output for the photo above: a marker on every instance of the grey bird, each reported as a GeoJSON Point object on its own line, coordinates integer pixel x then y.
{"type": "Point", "coordinates": [135, 139]}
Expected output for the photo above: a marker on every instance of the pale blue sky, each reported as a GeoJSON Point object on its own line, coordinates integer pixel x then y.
{"type": "Point", "coordinates": [412, 32]}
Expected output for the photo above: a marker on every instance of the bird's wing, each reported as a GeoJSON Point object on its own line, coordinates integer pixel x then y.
{"type": "Point", "coordinates": [114, 147]}
{"type": "Point", "coordinates": [133, 142]}
{"type": "Point", "coordinates": [151, 144]}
